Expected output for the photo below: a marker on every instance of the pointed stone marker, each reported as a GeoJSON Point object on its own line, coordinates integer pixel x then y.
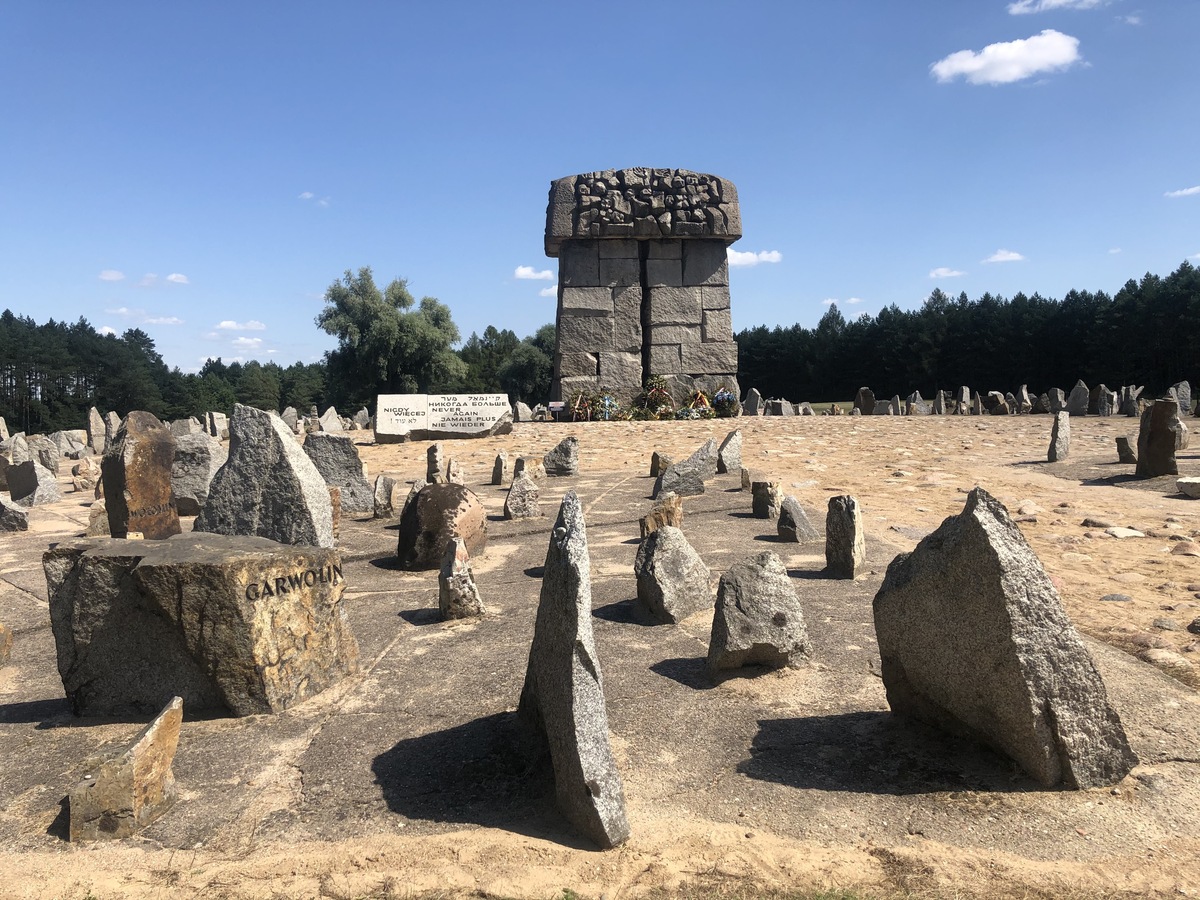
{"type": "Point", "coordinates": [563, 696]}
{"type": "Point", "coordinates": [521, 502]}
{"type": "Point", "coordinates": [845, 546]}
{"type": "Point", "coordinates": [564, 458]}
{"type": "Point", "coordinates": [1060, 437]}
{"type": "Point", "coordinates": [729, 454]}
{"type": "Point", "coordinates": [672, 579]}
{"type": "Point", "coordinates": [973, 638]}
{"type": "Point", "coordinates": [758, 619]}
{"type": "Point", "coordinates": [501, 470]}
{"type": "Point", "coordinates": [458, 597]}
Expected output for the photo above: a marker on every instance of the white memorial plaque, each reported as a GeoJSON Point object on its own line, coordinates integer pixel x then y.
{"type": "Point", "coordinates": [417, 417]}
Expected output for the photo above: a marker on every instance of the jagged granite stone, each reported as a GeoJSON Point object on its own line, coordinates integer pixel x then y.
{"type": "Point", "coordinates": [766, 498]}
{"type": "Point", "coordinates": [1125, 452]}
{"type": "Point", "coordinates": [501, 470]}
{"type": "Point", "coordinates": [13, 517]}
{"type": "Point", "coordinates": [753, 405]}
{"type": "Point", "coordinates": [1058, 401]}
{"type": "Point", "coordinates": [793, 523]}
{"type": "Point", "coordinates": [659, 463]}
{"type": "Point", "coordinates": [290, 417]}
{"type": "Point", "coordinates": [729, 454]}
{"type": "Point", "coordinates": [44, 450]}
{"type": "Point", "coordinates": [337, 459]}
{"type": "Point", "coordinates": [71, 443]}
{"type": "Point", "coordinates": [136, 469]}
{"type": "Point", "coordinates": [1183, 395]}
{"type": "Point", "coordinates": [1157, 440]}
{"type": "Point", "coordinates": [217, 425]}
{"type": "Point", "coordinates": [521, 412]}
{"type": "Point", "coordinates": [529, 466]}
{"type": "Point", "coordinates": [845, 545]}
{"type": "Point", "coordinates": [198, 457]}
{"type": "Point", "coordinates": [383, 497]}
{"type": "Point", "coordinates": [268, 486]}
{"type": "Point", "coordinates": [95, 430]}
{"type": "Point", "coordinates": [32, 484]}
{"type": "Point", "coordinates": [973, 638]}
{"type": "Point", "coordinates": [435, 463]}
{"type": "Point", "coordinates": [458, 597]}
{"type": "Point", "coordinates": [125, 791]}
{"type": "Point", "coordinates": [1060, 437]}
{"type": "Point", "coordinates": [563, 695]}
{"type": "Point", "coordinates": [229, 623]}
{"type": "Point", "coordinates": [563, 459]}
{"type": "Point", "coordinates": [331, 421]}
{"type": "Point", "coordinates": [758, 619]}
{"type": "Point", "coordinates": [432, 517]}
{"type": "Point", "coordinates": [864, 401]}
{"type": "Point", "coordinates": [672, 580]}
{"type": "Point", "coordinates": [668, 510]}
{"type": "Point", "coordinates": [521, 502]}
{"type": "Point", "coordinates": [1078, 399]}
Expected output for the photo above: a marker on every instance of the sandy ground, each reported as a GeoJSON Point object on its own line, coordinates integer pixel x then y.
{"type": "Point", "coordinates": [908, 474]}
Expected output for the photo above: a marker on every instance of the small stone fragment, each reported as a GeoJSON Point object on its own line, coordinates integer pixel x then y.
{"type": "Point", "coordinates": [845, 545]}
{"type": "Point", "coordinates": [563, 460]}
{"type": "Point", "coordinates": [522, 501]}
{"type": "Point", "coordinates": [458, 597]}
{"type": "Point", "coordinates": [793, 523]}
{"type": "Point", "coordinates": [1125, 451]}
{"type": "Point", "coordinates": [758, 619]}
{"type": "Point", "coordinates": [672, 581]}
{"type": "Point", "coordinates": [766, 498]}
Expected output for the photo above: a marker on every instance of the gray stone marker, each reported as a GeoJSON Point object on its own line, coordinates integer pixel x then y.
{"type": "Point", "coordinates": [198, 457]}
{"type": "Point", "coordinates": [71, 443]}
{"type": "Point", "coordinates": [1157, 439]}
{"type": "Point", "coordinates": [268, 486]}
{"type": "Point", "coordinates": [659, 463]}
{"type": "Point", "coordinates": [1058, 401]}
{"type": "Point", "coordinates": [1129, 400]}
{"type": "Point", "coordinates": [362, 418]}
{"type": "Point", "coordinates": [530, 466]}
{"type": "Point", "coordinates": [6, 643]}
{"type": "Point", "coordinates": [454, 472]}
{"type": "Point", "coordinates": [217, 424]}
{"type": "Point", "coordinates": [521, 502]}
{"type": "Point", "coordinates": [13, 517]}
{"type": "Point", "coordinates": [1183, 395]}
{"type": "Point", "coordinates": [331, 421]}
{"type": "Point", "coordinates": [1077, 400]}
{"type": "Point", "coordinates": [432, 517]}
{"type": "Point", "coordinates": [1125, 451]}
{"type": "Point", "coordinates": [337, 459]}
{"type": "Point", "coordinates": [563, 460]}
{"type": "Point", "coordinates": [758, 619]}
{"type": "Point", "coordinates": [973, 639]}
{"type": "Point", "coordinates": [845, 545]}
{"type": "Point", "coordinates": [1107, 403]}
{"type": "Point", "coordinates": [125, 791]}
{"type": "Point", "coordinates": [766, 498]}
{"type": "Point", "coordinates": [32, 484]}
{"type": "Point", "coordinates": [290, 417]}
{"type": "Point", "coordinates": [237, 624]}
{"type": "Point", "coordinates": [753, 405]}
{"type": "Point", "coordinates": [383, 497]}
{"type": "Point", "coordinates": [522, 412]}
{"type": "Point", "coordinates": [729, 454]}
{"type": "Point", "coordinates": [501, 470]}
{"type": "Point", "coordinates": [668, 510]}
{"type": "Point", "coordinates": [864, 401]}
{"type": "Point", "coordinates": [672, 580]}
{"type": "Point", "coordinates": [882, 408]}
{"type": "Point", "coordinates": [112, 422]}
{"type": "Point", "coordinates": [435, 463]}
{"type": "Point", "coordinates": [682, 478]}
{"type": "Point", "coordinates": [939, 403]}
{"type": "Point", "coordinates": [643, 280]}
{"type": "Point", "coordinates": [793, 523]}
{"type": "Point", "coordinates": [563, 696]}
{"type": "Point", "coordinates": [458, 597]}
{"type": "Point", "coordinates": [44, 451]}
{"type": "Point", "coordinates": [3, 430]}
{"type": "Point", "coordinates": [1060, 437]}
{"type": "Point", "coordinates": [5, 462]}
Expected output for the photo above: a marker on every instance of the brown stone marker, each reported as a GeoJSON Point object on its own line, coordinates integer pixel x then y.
{"type": "Point", "coordinates": [5, 644]}
{"type": "Point", "coordinates": [137, 479]}
{"type": "Point", "coordinates": [125, 792]}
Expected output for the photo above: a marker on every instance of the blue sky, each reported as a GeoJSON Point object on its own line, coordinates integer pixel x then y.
{"type": "Point", "coordinates": [204, 171]}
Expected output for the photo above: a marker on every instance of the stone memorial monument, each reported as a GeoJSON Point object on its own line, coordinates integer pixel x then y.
{"type": "Point", "coordinates": [432, 417]}
{"type": "Point", "coordinates": [643, 284]}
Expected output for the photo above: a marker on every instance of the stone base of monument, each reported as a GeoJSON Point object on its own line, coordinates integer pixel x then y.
{"type": "Point", "coordinates": [231, 624]}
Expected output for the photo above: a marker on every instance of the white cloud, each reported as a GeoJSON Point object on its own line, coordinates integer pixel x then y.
{"type": "Point", "coordinates": [829, 301]}
{"type": "Point", "coordinates": [307, 195]}
{"type": "Point", "coordinates": [1194, 256]}
{"type": "Point", "coordinates": [945, 272]}
{"type": "Point", "coordinates": [1003, 255]}
{"type": "Point", "coordinates": [230, 325]}
{"type": "Point", "coordinates": [245, 343]}
{"type": "Point", "coordinates": [108, 329]}
{"type": "Point", "coordinates": [1114, 250]}
{"type": "Point", "coordinates": [1185, 192]}
{"type": "Point", "coordinates": [854, 300]}
{"type": "Point", "coordinates": [124, 311]}
{"type": "Point", "coordinates": [112, 275]}
{"type": "Point", "coordinates": [750, 258]}
{"type": "Point", "coordinates": [163, 320]}
{"type": "Point", "coordinates": [1025, 7]}
{"type": "Point", "coordinates": [176, 278]}
{"type": "Point", "coordinates": [323, 202]}
{"type": "Point", "coordinates": [551, 291]}
{"type": "Point", "coordinates": [529, 273]}
{"type": "Point", "coordinates": [1130, 20]}
{"type": "Point", "coordinates": [148, 280]}
{"type": "Point", "coordinates": [1004, 63]}
{"type": "Point", "coordinates": [850, 300]}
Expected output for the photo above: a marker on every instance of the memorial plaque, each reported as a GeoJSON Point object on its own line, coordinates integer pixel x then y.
{"type": "Point", "coordinates": [428, 417]}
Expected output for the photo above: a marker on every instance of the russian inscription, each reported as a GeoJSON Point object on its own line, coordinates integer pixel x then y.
{"type": "Point", "coordinates": [401, 417]}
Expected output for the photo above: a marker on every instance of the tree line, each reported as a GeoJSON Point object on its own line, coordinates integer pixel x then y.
{"type": "Point", "coordinates": [1139, 336]}
{"type": "Point", "coordinates": [388, 342]}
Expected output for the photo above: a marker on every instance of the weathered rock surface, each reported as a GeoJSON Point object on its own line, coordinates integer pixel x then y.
{"type": "Point", "coordinates": [563, 460]}
{"type": "Point", "coordinates": [127, 790]}
{"type": "Point", "coordinates": [337, 459]}
{"type": "Point", "coordinates": [845, 545]}
{"type": "Point", "coordinates": [137, 479]}
{"type": "Point", "coordinates": [521, 502]}
{"type": "Point", "coordinates": [1125, 451]}
{"type": "Point", "coordinates": [529, 466]}
{"type": "Point", "coordinates": [1189, 487]}
{"type": "Point", "coordinates": [432, 517]}
{"type": "Point", "coordinates": [1077, 400]}
{"type": "Point", "coordinates": [668, 510]}
{"type": "Point", "coordinates": [758, 619]}
{"type": "Point", "coordinates": [793, 523]}
{"type": "Point", "coordinates": [682, 478]}
{"type": "Point", "coordinates": [44, 450]}
{"type": "Point", "coordinates": [331, 421]}
{"type": "Point", "coordinates": [383, 497]}
{"type": "Point", "coordinates": [458, 597]}
{"type": "Point", "coordinates": [95, 430]}
{"type": "Point", "coordinates": [766, 498]}
{"type": "Point", "coordinates": [1157, 439]}
{"type": "Point", "coordinates": [973, 639]}
{"type": "Point", "coordinates": [1060, 437]}
{"type": "Point", "coordinates": [753, 405]}
{"type": "Point", "coordinates": [501, 469]}
{"type": "Point", "coordinates": [659, 463]}
{"type": "Point", "coordinates": [672, 580]}
{"type": "Point", "coordinates": [13, 517]}
{"type": "Point", "coordinates": [6, 644]}
{"type": "Point", "coordinates": [563, 696]}
{"type": "Point", "coordinates": [71, 443]}
{"type": "Point", "coordinates": [864, 401]}
{"type": "Point", "coordinates": [729, 454]}
{"type": "Point", "coordinates": [267, 487]}
{"type": "Point", "coordinates": [198, 457]}
{"type": "Point", "coordinates": [237, 624]}
{"type": "Point", "coordinates": [32, 484]}
{"type": "Point", "coordinates": [435, 463]}
{"type": "Point", "coordinates": [217, 425]}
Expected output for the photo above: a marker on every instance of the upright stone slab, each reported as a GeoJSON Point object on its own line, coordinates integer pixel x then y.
{"type": "Point", "coordinates": [530, 466]}
{"type": "Point", "coordinates": [430, 417]}
{"type": "Point", "coordinates": [127, 790]}
{"type": "Point", "coordinates": [753, 405]}
{"type": "Point", "coordinates": [1077, 400]}
{"type": "Point", "coordinates": [190, 425]}
{"type": "Point", "coordinates": [1107, 403]}
{"type": "Point", "coordinates": [845, 545]}
{"type": "Point", "coordinates": [1058, 401]}
{"type": "Point", "coordinates": [521, 412]}
{"type": "Point", "coordinates": [1060, 437]}
{"type": "Point", "coordinates": [766, 497]}
{"type": "Point", "coordinates": [331, 421]}
{"type": "Point", "coordinates": [71, 443]}
{"type": "Point", "coordinates": [1157, 439]}
{"type": "Point", "coordinates": [668, 510]}
{"type": "Point", "coordinates": [1183, 395]}
{"type": "Point", "coordinates": [458, 597]}
{"type": "Point", "coordinates": [729, 454]}
{"type": "Point", "coordinates": [337, 459]}
{"type": "Point", "coordinates": [683, 478]}
{"type": "Point", "coordinates": [758, 619]}
{"type": "Point", "coordinates": [432, 517]}
{"type": "Point", "coordinates": [44, 451]}
{"type": "Point", "coordinates": [198, 458]}
{"type": "Point", "coordinates": [563, 460]}
{"type": "Point", "coordinates": [290, 417]}
{"type": "Point", "coordinates": [563, 696]}
{"type": "Point", "coordinates": [32, 484]}
{"type": "Point", "coordinates": [973, 639]}
{"type": "Point", "coordinates": [864, 401]}
{"type": "Point", "coordinates": [521, 502]}
{"type": "Point", "coordinates": [672, 580]}
{"type": "Point", "coordinates": [112, 424]}
{"type": "Point", "coordinates": [793, 524]}
{"type": "Point", "coordinates": [217, 424]}
{"type": "Point", "coordinates": [1129, 401]}
{"type": "Point", "coordinates": [659, 463]}
{"type": "Point", "coordinates": [939, 403]}
{"type": "Point", "coordinates": [383, 505]}
{"type": "Point", "coordinates": [501, 469]}
{"type": "Point", "coordinates": [231, 624]}
{"type": "Point", "coordinates": [1125, 452]}
{"type": "Point", "coordinates": [267, 487]}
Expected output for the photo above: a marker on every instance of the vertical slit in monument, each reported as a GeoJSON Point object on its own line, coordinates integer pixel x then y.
{"type": "Point", "coordinates": [644, 285]}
